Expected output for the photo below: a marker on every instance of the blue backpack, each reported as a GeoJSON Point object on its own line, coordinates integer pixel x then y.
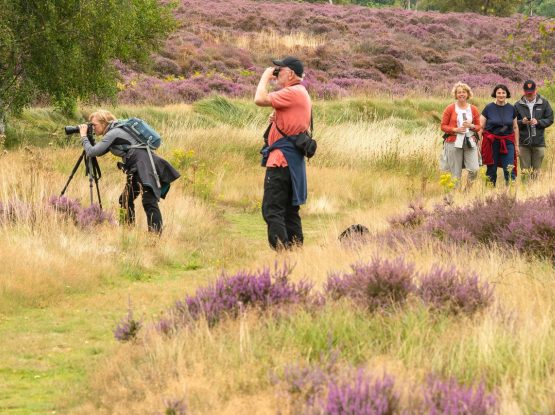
{"type": "Point", "coordinates": [147, 136]}
{"type": "Point", "coordinates": [141, 131]}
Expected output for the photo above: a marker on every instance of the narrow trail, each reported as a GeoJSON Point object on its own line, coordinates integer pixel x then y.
{"type": "Point", "coordinates": [47, 354]}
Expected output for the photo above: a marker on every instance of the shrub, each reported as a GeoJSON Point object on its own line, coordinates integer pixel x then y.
{"type": "Point", "coordinates": [448, 289]}
{"type": "Point", "coordinates": [175, 407]}
{"type": "Point", "coordinates": [527, 226]}
{"type": "Point", "coordinates": [414, 218]}
{"type": "Point", "coordinates": [228, 295]}
{"type": "Point", "coordinates": [92, 216]}
{"type": "Point", "coordinates": [363, 396]}
{"type": "Point", "coordinates": [533, 230]}
{"type": "Point", "coordinates": [451, 398]}
{"type": "Point", "coordinates": [127, 328]}
{"type": "Point", "coordinates": [65, 205]}
{"type": "Point", "coordinates": [81, 216]}
{"type": "Point", "coordinates": [388, 65]}
{"type": "Point", "coordinates": [376, 285]}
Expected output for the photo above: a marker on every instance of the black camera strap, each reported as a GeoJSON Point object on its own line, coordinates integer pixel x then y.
{"type": "Point", "coordinates": [311, 127]}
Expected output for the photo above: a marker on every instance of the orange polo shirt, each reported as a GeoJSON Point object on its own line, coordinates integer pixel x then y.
{"type": "Point", "coordinates": [292, 107]}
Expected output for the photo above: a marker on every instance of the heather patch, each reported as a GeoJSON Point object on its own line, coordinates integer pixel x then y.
{"type": "Point", "coordinates": [453, 291]}
{"type": "Point", "coordinates": [223, 47]}
{"type": "Point", "coordinates": [379, 284]}
{"type": "Point", "coordinates": [525, 225]}
{"type": "Point", "coordinates": [84, 217]}
{"type": "Point", "coordinates": [128, 328]}
{"type": "Point", "coordinates": [382, 284]}
{"type": "Point", "coordinates": [327, 388]}
{"type": "Point", "coordinates": [228, 296]}
{"type": "Point", "coordinates": [448, 397]}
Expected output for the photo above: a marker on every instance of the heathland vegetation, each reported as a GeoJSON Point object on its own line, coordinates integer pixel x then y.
{"type": "Point", "coordinates": [446, 302]}
{"type": "Point", "coordinates": [444, 307]}
{"type": "Point", "coordinates": [223, 48]}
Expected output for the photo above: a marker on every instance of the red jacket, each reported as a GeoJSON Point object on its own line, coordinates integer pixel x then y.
{"type": "Point", "coordinates": [449, 121]}
{"type": "Point", "coordinates": [487, 150]}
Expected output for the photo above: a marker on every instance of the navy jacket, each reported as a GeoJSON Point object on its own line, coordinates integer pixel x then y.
{"type": "Point", "coordinates": [297, 167]}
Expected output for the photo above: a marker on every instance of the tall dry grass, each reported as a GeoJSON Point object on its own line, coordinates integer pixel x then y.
{"type": "Point", "coordinates": [366, 171]}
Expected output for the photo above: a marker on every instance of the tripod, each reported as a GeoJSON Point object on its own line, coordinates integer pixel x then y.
{"type": "Point", "coordinates": [92, 170]}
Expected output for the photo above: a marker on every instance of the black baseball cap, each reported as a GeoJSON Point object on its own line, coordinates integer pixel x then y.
{"type": "Point", "coordinates": [292, 63]}
{"type": "Point", "coordinates": [529, 86]}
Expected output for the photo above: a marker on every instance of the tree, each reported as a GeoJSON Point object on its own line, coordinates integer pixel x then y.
{"type": "Point", "coordinates": [493, 7]}
{"type": "Point", "coordinates": [64, 50]}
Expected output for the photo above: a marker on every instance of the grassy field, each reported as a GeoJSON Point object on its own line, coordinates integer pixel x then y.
{"type": "Point", "coordinates": [63, 288]}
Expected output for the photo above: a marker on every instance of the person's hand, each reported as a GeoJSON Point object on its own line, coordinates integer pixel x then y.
{"type": "Point", "coordinates": [268, 73]}
{"type": "Point", "coordinates": [272, 118]}
{"type": "Point", "coordinates": [83, 130]}
{"type": "Point", "coordinates": [468, 124]}
{"type": "Point", "coordinates": [525, 121]}
{"type": "Point", "coordinates": [533, 121]}
{"type": "Point", "coordinates": [517, 150]}
{"type": "Point", "coordinates": [459, 130]}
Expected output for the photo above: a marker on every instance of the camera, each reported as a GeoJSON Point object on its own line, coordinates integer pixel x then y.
{"type": "Point", "coordinates": [74, 129]}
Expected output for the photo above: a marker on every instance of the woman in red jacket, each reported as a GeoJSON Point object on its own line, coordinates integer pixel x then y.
{"type": "Point", "coordinates": [461, 125]}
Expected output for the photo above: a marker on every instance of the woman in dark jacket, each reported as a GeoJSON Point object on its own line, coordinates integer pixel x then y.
{"type": "Point", "coordinates": [500, 135]}
{"type": "Point", "coordinates": [136, 164]}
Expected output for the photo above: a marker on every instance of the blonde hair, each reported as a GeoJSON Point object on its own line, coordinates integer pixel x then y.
{"type": "Point", "coordinates": [103, 116]}
{"type": "Point", "coordinates": [464, 86]}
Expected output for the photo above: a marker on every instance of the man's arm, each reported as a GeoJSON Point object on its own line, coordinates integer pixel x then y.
{"type": "Point", "coordinates": [547, 119]}
{"type": "Point", "coordinates": [261, 97]}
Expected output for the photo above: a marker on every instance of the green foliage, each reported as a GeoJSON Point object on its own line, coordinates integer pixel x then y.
{"type": "Point", "coordinates": [63, 50]}
{"type": "Point", "coordinates": [493, 7]}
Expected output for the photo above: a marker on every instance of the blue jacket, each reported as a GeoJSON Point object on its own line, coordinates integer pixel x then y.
{"type": "Point", "coordinates": [297, 167]}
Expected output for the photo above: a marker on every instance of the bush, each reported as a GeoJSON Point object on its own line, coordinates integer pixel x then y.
{"type": "Point", "coordinates": [363, 396]}
{"type": "Point", "coordinates": [81, 216]}
{"type": "Point", "coordinates": [377, 285]}
{"type": "Point", "coordinates": [451, 398]}
{"type": "Point", "coordinates": [527, 226]}
{"type": "Point", "coordinates": [230, 294]}
{"type": "Point", "coordinates": [388, 65]}
{"type": "Point", "coordinates": [450, 290]}
{"type": "Point", "coordinates": [127, 328]}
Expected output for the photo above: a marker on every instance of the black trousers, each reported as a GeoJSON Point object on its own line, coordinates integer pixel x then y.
{"type": "Point", "coordinates": [133, 188]}
{"type": "Point", "coordinates": [283, 220]}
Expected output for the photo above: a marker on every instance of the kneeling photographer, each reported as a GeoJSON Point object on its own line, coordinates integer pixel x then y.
{"type": "Point", "coordinates": [146, 172]}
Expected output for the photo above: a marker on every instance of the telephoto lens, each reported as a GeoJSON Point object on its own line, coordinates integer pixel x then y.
{"type": "Point", "coordinates": [71, 129]}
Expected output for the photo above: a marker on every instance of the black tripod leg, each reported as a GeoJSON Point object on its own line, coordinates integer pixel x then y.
{"type": "Point", "coordinates": [91, 177]}
{"type": "Point", "coordinates": [98, 192]}
{"type": "Point", "coordinates": [73, 172]}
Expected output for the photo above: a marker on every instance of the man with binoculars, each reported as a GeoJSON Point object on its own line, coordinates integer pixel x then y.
{"type": "Point", "coordinates": [285, 180]}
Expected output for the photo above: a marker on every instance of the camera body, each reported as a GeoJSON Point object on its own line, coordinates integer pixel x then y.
{"type": "Point", "coordinates": [74, 129]}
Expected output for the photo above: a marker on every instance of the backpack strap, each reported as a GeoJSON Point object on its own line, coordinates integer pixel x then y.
{"type": "Point", "coordinates": [147, 147]}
